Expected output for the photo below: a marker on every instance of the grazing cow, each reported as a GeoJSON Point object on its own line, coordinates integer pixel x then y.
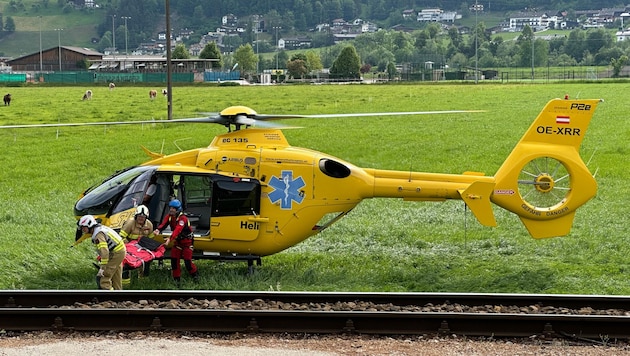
{"type": "Point", "coordinates": [87, 95]}
{"type": "Point", "coordinates": [152, 94]}
{"type": "Point", "coordinates": [7, 100]}
{"type": "Point", "coordinates": [164, 92]}
{"type": "Point", "coordinates": [112, 86]}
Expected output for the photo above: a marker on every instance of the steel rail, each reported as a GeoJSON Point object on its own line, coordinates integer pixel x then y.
{"type": "Point", "coordinates": [42, 298]}
{"type": "Point", "coordinates": [54, 310]}
{"type": "Point", "coordinates": [265, 321]}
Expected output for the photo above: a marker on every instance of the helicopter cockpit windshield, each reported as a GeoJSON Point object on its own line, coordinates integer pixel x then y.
{"type": "Point", "coordinates": [117, 193]}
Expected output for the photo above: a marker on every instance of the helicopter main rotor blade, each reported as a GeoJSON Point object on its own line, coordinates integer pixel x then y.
{"type": "Point", "coordinates": [247, 119]}
{"type": "Point", "coordinates": [192, 120]}
{"type": "Point", "coordinates": [323, 116]}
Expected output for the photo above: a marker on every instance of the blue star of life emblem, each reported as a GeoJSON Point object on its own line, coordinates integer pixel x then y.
{"type": "Point", "coordinates": [286, 189]}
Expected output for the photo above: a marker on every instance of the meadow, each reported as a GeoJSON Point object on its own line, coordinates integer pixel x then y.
{"type": "Point", "coordinates": [384, 245]}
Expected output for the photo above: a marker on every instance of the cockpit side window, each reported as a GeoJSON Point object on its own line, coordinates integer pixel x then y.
{"type": "Point", "coordinates": [134, 194]}
{"type": "Point", "coordinates": [106, 196]}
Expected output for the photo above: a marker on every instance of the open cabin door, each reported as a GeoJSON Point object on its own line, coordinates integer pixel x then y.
{"type": "Point", "coordinates": [219, 207]}
{"type": "Point", "coordinates": [234, 201]}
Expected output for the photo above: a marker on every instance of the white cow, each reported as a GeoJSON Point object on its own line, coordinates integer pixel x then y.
{"type": "Point", "coordinates": [87, 95]}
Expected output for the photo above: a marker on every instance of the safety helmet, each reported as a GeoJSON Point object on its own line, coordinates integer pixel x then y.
{"type": "Point", "coordinates": [175, 204]}
{"type": "Point", "coordinates": [87, 221]}
{"type": "Point", "coordinates": [142, 210]}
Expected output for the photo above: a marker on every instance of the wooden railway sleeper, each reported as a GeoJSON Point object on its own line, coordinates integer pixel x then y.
{"type": "Point", "coordinates": [444, 328]}
{"type": "Point", "coordinates": [548, 332]}
{"type": "Point", "coordinates": [349, 328]}
{"type": "Point", "coordinates": [253, 326]}
{"type": "Point", "coordinates": [156, 324]}
{"type": "Point", "coordinates": [58, 324]}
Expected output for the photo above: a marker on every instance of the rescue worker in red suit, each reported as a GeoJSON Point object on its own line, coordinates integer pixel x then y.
{"type": "Point", "coordinates": [111, 249]}
{"type": "Point", "coordinates": [182, 234]}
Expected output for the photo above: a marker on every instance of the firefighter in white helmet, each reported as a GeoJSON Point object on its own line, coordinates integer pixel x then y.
{"type": "Point", "coordinates": [136, 227]}
{"type": "Point", "coordinates": [111, 249]}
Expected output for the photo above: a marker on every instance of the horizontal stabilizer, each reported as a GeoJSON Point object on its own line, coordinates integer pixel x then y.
{"type": "Point", "coordinates": [477, 197]}
{"type": "Point", "coordinates": [152, 154]}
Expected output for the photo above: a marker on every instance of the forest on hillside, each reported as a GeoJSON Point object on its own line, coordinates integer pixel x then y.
{"type": "Point", "coordinates": [297, 16]}
{"type": "Point", "coordinates": [384, 50]}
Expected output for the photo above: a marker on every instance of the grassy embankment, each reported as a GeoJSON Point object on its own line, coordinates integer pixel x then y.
{"type": "Point", "coordinates": [383, 245]}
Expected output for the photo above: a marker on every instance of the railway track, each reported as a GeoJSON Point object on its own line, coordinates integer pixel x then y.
{"type": "Point", "coordinates": [593, 318]}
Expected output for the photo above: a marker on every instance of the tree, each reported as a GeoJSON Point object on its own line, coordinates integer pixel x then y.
{"type": "Point", "coordinates": [347, 64]}
{"type": "Point", "coordinates": [9, 24]}
{"type": "Point", "coordinates": [313, 61]}
{"type": "Point", "coordinates": [455, 36]}
{"type": "Point", "coordinates": [280, 59]}
{"type": "Point", "coordinates": [105, 42]}
{"type": "Point", "coordinates": [525, 42]}
{"type": "Point", "coordinates": [575, 44]}
{"type": "Point", "coordinates": [211, 51]}
{"type": "Point", "coordinates": [391, 71]}
{"type": "Point", "coordinates": [180, 52]}
{"type": "Point", "coordinates": [246, 58]}
{"type": "Point", "coordinates": [617, 64]}
{"type": "Point", "coordinates": [297, 68]}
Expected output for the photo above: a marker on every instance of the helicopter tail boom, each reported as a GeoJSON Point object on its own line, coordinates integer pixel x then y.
{"type": "Point", "coordinates": [473, 188]}
{"type": "Point", "coordinates": [544, 179]}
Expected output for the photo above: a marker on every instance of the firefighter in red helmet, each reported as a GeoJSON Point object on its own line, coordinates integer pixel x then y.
{"type": "Point", "coordinates": [182, 235]}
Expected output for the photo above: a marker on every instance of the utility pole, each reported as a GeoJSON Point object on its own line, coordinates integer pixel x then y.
{"type": "Point", "coordinates": [533, 54]}
{"type": "Point", "coordinates": [59, 38]}
{"type": "Point", "coordinates": [256, 29]}
{"type": "Point", "coordinates": [277, 47]}
{"type": "Point", "coordinates": [114, 36]}
{"type": "Point", "coordinates": [41, 66]}
{"type": "Point", "coordinates": [169, 85]}
{"type": "Point", "coordinates": [476, 45]}
{"type": "Point", "coordinates": [126, 43]}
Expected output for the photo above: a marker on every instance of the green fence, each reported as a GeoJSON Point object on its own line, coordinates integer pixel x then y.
{"type": "Point", "coordinates": [11, 77]}
{"type": "Point", "coordinates": [68, 77]}
{"type": "Point", "coordinates": [103, 77]}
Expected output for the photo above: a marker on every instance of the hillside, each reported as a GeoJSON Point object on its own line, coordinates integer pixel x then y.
{"type": "Point", "coordinates": [91, 27]}
{"type": "Point", "coordinates": [78, 28]}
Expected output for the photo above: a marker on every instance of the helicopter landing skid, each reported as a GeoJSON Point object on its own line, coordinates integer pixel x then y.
{"type": "Point", "coordinates": [250, 259]}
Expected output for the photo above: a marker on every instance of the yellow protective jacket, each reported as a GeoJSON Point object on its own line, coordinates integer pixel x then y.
{"type": "Point", "coordinates": [107, 241]}
{"type": "Point", "coordinates": [131, 230]}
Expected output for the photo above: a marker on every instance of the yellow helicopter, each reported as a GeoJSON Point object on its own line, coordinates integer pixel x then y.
{"type": "Point", "coordinates": [251, 194]}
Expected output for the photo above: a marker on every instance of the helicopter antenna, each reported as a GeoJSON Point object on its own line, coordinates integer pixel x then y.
{"type": "Point", "coordinates": [181, 139]}
{"type": "Point", "coordinates": [589, 162]}
{"type": "Point", "coordinates": [591, 157]}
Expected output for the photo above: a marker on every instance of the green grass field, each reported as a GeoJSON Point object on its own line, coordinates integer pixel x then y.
{"type": "Point", "coordinates": [383, 245]}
